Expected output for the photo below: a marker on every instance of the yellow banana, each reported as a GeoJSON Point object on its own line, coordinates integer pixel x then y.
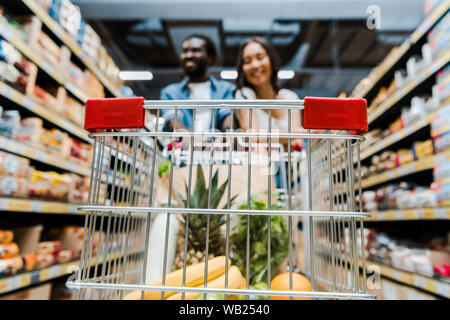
{"type": "Point", "coordinates": [194, 276]}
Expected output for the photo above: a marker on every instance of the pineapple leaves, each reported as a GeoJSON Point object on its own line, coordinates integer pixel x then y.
{"type": "Point", "coordinates": [231, 202]}
{"type": "Point", "coordinates": [215, 181]}
{"type": "Point", "coordinates": [217, 196]}
{"type": "Point", "coordinates": [200, 188]}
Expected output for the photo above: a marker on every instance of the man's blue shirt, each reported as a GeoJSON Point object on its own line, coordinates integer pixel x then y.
{"type": "Point", "coordinates": [220, 90]}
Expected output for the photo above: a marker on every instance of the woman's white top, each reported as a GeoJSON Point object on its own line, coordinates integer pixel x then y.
{"type": "Point", "coordinates": [261, 116]}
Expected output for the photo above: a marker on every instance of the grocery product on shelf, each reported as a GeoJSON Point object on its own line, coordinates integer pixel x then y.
{"type": "Point", "coordinates": [11, 258]}
{"type": "Point", "coordinates": [19, 179]}
{"type": "Point", "coordinates": [69, 17]}
{"type": "Point", "coordinates": [15, 70]}
{"type": "Point", "coordinates": [31, 132]}
{"type": "Point", "coordinates": [6, 236]}
{"type": "Point", "coordinates": [74, 111]}
{"type": "Point", "coordinates": [403, 195]}
{"type": "Point", "coordinates": [8, 250]}
{"type": "Point", "coordinates": [406, 254]}
{"type": "Point", "coordinates": [45, 253]}
{"type": "Point", "coordinates": [14, 175]}
{"type": "Point", "coordinates": [438, 37]}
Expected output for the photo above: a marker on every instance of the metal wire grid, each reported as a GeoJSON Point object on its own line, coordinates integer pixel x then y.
{"type": "Point", "coordinates": [127, 209]}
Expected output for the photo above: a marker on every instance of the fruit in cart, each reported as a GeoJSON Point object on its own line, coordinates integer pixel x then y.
{"type": "Point", "coordinates": [281, 283]}
{"type": "Point", "coordinates": [197, 223]}
{"type": "Point", "coordinates": [258, 286]}
{"type": "Point", "coordinates": [279, 242]}
{"type": "Point", "coordinates": [234, 282]}
{"type": "Point", "coordinates": [195, 276]}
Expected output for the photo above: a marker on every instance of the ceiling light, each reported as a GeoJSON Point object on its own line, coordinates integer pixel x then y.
{"type": "Point", "coordinates": [229, 74]}
{"type": "Point", "coordinates": [135, 75]}
{"type": "Point", "coordinates": [286, 74]}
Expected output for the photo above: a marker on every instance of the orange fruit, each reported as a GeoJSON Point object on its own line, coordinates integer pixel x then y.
{"type": "Point", "coordinates": [281, 283]}
{"type": "Point", "coordinates": [243, 283]}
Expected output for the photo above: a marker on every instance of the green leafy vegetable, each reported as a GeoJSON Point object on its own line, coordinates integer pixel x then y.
{"type": "Point", "coordinates": [279, 242]}
{"type": "Point", "coordinates": [164, 168]}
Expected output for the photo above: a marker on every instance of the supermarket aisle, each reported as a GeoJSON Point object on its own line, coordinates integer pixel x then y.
{"type": "Point", "coordinates": [55, 55]}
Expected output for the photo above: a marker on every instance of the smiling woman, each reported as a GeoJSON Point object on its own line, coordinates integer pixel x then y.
{"type": "Point", "coordinates": [258, 67]}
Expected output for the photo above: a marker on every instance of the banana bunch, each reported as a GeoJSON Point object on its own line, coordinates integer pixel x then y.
{"type": "Point", "coordinates": [195, 276]}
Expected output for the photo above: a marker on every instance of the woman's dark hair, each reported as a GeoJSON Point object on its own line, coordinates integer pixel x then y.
{"type": "Point", "coordinates": [210, 46]}
{"type": "Point", "coordinates": [275, 63]}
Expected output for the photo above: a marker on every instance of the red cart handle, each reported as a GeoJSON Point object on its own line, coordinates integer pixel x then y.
{"type": "Point", "coordinates": [114, 113]}
{"type": "Point", "coordinates": [335, 114]}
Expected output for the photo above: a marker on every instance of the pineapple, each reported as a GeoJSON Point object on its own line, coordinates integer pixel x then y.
{"type": "Point", "coordinates": [196, 245]}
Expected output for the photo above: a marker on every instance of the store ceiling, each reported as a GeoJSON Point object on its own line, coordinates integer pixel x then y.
{"type": "Point", "coordinates": [327, 42]}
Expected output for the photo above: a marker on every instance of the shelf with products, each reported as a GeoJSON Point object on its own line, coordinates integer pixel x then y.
{"type": "Point", "coordinates": [42, 156]}
{"type": "Point", "coordinates": [33, 254]}
{"type": "Point", "coordinates": [38, 206]}
{"type": "Point", "coordinates": [426, 163]}
{"type": "Point", "coordinates": [34, 277]}
{"type": "Point", "coordinates": [19, 179]}
{"type": "Point", "coordinates": [29, 104]}
{"type": "Point", "coordinates": [37, 276]}
{"type": "Point", "coordinates": [383, 71]}
{"type": "Point", "coordinates": [53, 71]}
{"type": "Point", "coordinates": [393, 138]}
{"type": "Point", "coordinates": [417, 261]}
{"type": "Point", "coordinates": [72, 44]}
{"type": "Point", "coordinates": [435, 213]}
{"type": "Point", "coordinates": [432, 285]}
{"type": "Point", "coordinates": [436, 286]}
{"type": "Point", "coordinates": [400, 93]}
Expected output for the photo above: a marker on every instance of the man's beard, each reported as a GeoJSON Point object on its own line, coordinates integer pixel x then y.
{"type": "Point", "coordinates": [198, 71]}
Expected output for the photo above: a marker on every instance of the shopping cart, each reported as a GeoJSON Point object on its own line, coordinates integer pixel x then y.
{"type": "Point", "coordinates": [125, 166]}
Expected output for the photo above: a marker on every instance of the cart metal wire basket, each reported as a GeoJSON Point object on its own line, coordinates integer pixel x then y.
{"type": "Point", "coordinates": [320, 184]}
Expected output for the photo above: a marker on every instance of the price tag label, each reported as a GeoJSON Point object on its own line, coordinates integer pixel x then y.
{"type": "Point", "coordinates": [397, 275]}
{"type": "Point", "coordinates": [43, 275]}
{"type": "Point", "coordinates": [390, 174]}
{"type": "Point", "coordinates": [443, 289]}
{"type": "Point", "coordinates": [419, 281]}
{"type": "Point", "coordinates": [19, 205]}
{"type": "Point", "coordinates": [47, 68]}
{"type": "Point", "coordinates": [402, 171]}
{"type": "Point", "coordinates": [13, 283]}
{"type": "Point", "coordinates": [3, 285]}
{"type": "Point", "coordinates": [73, 209]}
{"type": "Point", "coordinates": [71, 166]}
{"type": "Point", "coordinates": [8, 92]}
{"type": "Point", "coordinates": [29, 104]}
{"type": "Point", "coordinates": [58, 31]}
{"type": "Point", "coordinates": [36, 206]}
{"type": "Point", "coordinates": [54, 271]}
{"type": "Point", "coordinates": [430, 285]}
{"type": "Point", "coordinates": [41, 156]}
{"type": "Point", "coordinates": [410, 215]}
{"type": "Point", "coordinates": [442, 213]}
{"type": "Point", "coordinates": [3, 203]}
{"type": "Point", "coordinates": [5, 31]}
{"type": "Point", "coordinates": [429, 213]}
{"type": "Point", "coordinates": [17, 97]}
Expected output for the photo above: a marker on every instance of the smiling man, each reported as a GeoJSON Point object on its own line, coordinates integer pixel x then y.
{"type": "Point", "coordinates": [197, 54]}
